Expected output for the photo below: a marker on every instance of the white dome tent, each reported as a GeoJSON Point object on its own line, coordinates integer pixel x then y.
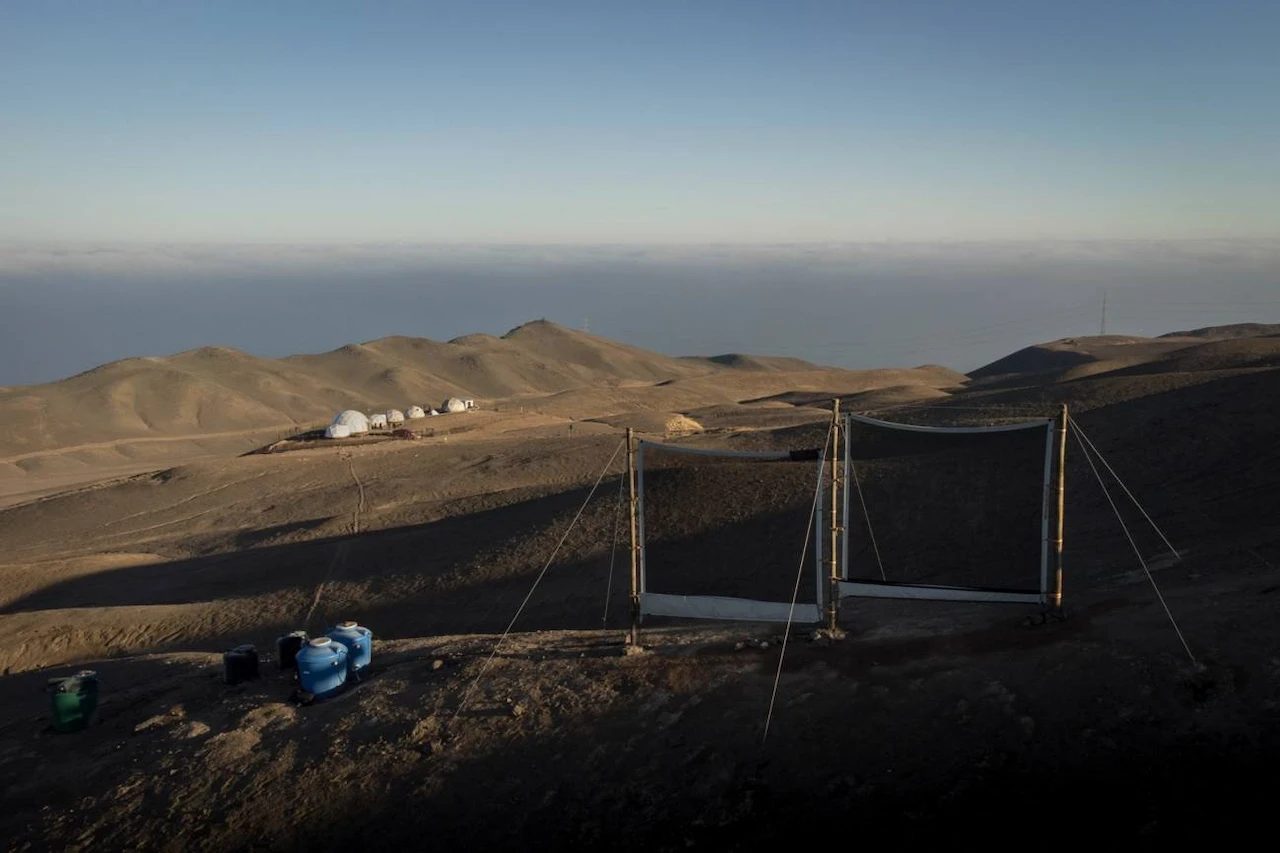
{"type": "Point", "coordinates": [337, 431]}
{"type": "Point", "coordinates": [395, 416]}
{"type": "Point", "coordinates": [378, 421]}
{"type": "Point", "coordinates": [414, 412]}
{"type": "Point", "coordinates": [353, 420]}
{"type": "Point", "coordinates": [453, 404]}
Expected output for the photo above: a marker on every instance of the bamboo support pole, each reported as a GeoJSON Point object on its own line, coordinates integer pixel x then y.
{"type": "Point", "coordinates": [1061, 511]}
{"type": "Point", "coordinates": [634, 638]}
{"type": "Point", "coordinates": [833, 591]}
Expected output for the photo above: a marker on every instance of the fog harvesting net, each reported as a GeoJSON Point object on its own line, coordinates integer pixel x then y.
{"type": "Point", "coordinates": [721, 533]}
{"type": "Point", "coordinates": [948, 513]}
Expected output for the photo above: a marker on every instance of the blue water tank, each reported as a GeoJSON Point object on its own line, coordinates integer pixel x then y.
{"type": "Point", "coordinates": [322, 667]}
{"type": "Point", "coordinates": [359, 643]}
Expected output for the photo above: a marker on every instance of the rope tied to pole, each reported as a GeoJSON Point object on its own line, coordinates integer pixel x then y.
{"type": "Point", "coordinates": [1133, 544]}
{"type": "Point", "coordinates": [853, 469]}
{"type": "Point", "coordinates": [795, 593]}
{"type": "Point", "coordinates": [1081, 435]}
{"type": "Point", "coordinates": [496, 646]}
{"type": "Point", "coordinates": [613, 552]}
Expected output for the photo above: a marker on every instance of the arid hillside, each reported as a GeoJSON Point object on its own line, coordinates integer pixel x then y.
{"type": "Point", "coordinates": [929, 722]}
{"type": "Point", "coordinates": [1211, 348]}
{"type": "Point", "coordinates": [143, 413]}
{"type": "Point", "coordinates": [215, 389]}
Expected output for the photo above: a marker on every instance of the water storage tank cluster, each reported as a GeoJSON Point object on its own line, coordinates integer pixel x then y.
{"type": "Point", "coordinates": [325, 663]}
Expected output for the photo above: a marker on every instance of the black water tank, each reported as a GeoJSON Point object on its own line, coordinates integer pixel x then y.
{"type": "Point", "coordinates": [287, 648]}
{"type": "Point", "coordinates": [240, 664]}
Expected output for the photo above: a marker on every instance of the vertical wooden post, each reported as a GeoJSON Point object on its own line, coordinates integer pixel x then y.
{"type": "Point", "coordinates": [1061, 511]}
{"type": "Point", "coordinates": [634, 638]}
{"type": "Point", "coordinates": [833, 591]}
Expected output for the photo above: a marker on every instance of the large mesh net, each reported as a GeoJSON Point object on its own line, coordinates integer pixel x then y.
{"type": "Point", "coordinates": [723, 525]}
{"type": "Point", "coordinates": [952, 509]}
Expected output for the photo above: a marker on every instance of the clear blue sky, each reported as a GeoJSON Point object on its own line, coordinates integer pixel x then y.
{"type": "Point", "coordinates": [638, 121]}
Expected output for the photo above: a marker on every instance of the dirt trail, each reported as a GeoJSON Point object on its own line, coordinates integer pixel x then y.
{"type": "Point", "coordinates": [340, 552]}
{"type": "Point", "coordinates": [102, 445]}
{"type": "Point", "coordinates": [186, 500]}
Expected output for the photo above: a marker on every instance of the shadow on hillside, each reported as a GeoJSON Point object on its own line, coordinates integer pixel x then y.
{"type": "Point", "coordinates": [1033, 360]}
{"type": "Point", "coordinates": [461, 574]}
{"type": "Point", "coordinates": [1202, 460]}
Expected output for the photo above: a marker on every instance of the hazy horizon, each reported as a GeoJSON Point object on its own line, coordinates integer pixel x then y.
{"type": "Point", "coordinates": [67, 308]}
{"type": "Point", "coordinates": [853, 183]}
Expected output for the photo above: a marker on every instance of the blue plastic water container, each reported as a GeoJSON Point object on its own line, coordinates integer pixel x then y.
{"type": "Point", "coordinates": [359, 643]}
{"type": "Point", "coordinates": [322, 667]}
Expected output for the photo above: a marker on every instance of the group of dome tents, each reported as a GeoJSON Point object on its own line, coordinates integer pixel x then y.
{"type": "Point", "coordinates": [351, 422]}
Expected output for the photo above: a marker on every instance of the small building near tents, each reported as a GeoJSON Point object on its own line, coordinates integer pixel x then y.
{"type": "Point", "coordinates": [414, 412]}
{"type": "Point", "coordinates": [378, 421]}
{"type": "Point", "coordinates": [395, 416]}
{"type": "Point", "coordinates": [433, 413]}
{"type": "Point", "coordinates": [454, 404]}
{"type": "Point", "coordinates": [337, 431]}
{"type": "Point", "coordinates": [357, 422]}
{"type": "Point", "coordinates": [470, 404]}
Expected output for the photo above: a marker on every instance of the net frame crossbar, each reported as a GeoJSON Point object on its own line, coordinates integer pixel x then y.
{"type": "Point", "coordinates": [721, 607]}
{"type": "Point", "coordinates": [941, 592]}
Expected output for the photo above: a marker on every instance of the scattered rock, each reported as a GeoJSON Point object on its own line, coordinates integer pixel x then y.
{"type": "Point", "coordinates": [437, 664]}
{"type": "Point", "coordinates": [633, 649]}
{"type": "Point", "coordinates": [197, 729]}
{"type": "Point", "coordinates": [155, 722]}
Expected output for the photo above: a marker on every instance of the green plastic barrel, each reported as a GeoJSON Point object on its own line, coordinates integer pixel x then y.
{"type": "Point", "coordinates": [74, 699]}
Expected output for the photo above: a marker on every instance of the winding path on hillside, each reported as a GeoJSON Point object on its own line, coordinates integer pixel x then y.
{"type": "Point", "coordinates": [104, 445]}
{"type": "Point", "coordinates": [340, 552]}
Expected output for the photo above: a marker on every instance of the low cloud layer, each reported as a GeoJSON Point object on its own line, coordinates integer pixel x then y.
{"type": "Point", "coordinates": [64, 309]}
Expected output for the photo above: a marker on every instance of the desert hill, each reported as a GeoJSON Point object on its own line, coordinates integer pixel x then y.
{"type": "Point", "coordinates": [1235, 330]}
{"type": "Point", "coordinates": [742, 361]}
{"type": "Point", "coordinates": [217, 389]}
{"type": "Point", "coordinates": [557, 740]}
{"type": "Point", "coordinates": [139, 412]}
{"type": "Point", "coordinates": [1212, 348]}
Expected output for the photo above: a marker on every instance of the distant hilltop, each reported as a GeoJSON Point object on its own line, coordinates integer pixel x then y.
{"type": "Point", "coordinates": [218, 389]}
{"type": "Point", "coordinates": [1234, 347]}
{"type": "Point", "coordinates": [567, 373]}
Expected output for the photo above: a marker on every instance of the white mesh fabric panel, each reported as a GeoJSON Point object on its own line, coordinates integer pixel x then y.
{"type": "Point", "coordinates": [720, 607]}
